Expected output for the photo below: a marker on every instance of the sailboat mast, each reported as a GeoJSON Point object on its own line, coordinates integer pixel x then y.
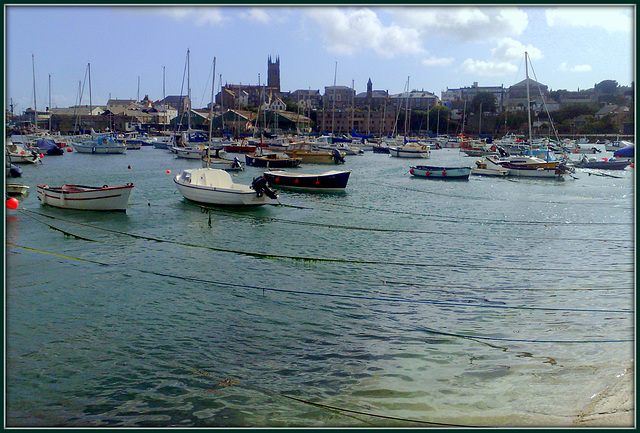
{"type": "Point", "coordinates": [35, 106]}
{"type": "Point", "coordinates": [526, 68]}
{"type": "Point", "coordinates": [90, 101]}
{"type": "Point", "coordinates": [188, 93]}
{"type": "Point", "coordinates": [213, 80]}
{"type": "Point", "coordinates": [49, 103]}
{"type": "Point", "coordinates": [333, 107]}
{"type": "Point", "coordinates": [406, 113]}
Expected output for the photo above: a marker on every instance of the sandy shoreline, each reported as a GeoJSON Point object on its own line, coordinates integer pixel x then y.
{"type": "Point", "coordinates": [613, 407]}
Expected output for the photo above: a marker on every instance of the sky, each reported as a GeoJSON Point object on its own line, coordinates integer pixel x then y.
{"type": "Point", "coordinates": [134, 51]}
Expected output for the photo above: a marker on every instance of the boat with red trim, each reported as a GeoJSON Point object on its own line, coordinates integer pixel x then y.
{"type": "Point", "coordinates": [436, 172]}
{"type": "Point", "coordinates": [82, 197]}
{"type": "Point", "coordinates": [332, 180]}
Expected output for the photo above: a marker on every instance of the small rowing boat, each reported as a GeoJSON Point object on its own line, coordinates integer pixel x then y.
{"type": "Point", "coordinates": [435, 172]}
{"type": "Point", "coordinates": [81, 197]}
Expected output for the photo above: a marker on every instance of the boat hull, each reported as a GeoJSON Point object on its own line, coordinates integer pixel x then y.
{"type": "Point", "coordinates": [604, 165]}
{"type": "Point", "coordinates": [410, 153]}
{"type": "Point", "coordinates": [272, 161]}
{"type": "Point", "coordinates": [542, 170]}
{"type": "Point", "coordinates": [188, 152]}
{"type": "Point", "coordinates": [16, 189]}
{"type": "Point", "coordinates": [223, 164]}
{"type": "Point", "coordinates": [113, 148]}
{"type": "Point", "coordinates": [82, 197]}
{"type": "Point", "coordinates": [328, 181]}
{"type": "Point", "coordinates": [435, 172]}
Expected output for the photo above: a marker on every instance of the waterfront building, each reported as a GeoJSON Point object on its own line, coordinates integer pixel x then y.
{"type": "Point", "coordinates": [468, 93]}
{"type": "Point", "coordinates": [414, 100]}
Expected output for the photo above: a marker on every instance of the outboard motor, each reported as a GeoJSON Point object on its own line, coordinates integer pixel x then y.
{"type": "Point", "coordinates": [337, 157]}
{"type": "Point", "coordinates": [261, 186]}
{"type": "Point", "coordinates": [237, 163]}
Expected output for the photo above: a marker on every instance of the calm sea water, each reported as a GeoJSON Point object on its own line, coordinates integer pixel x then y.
{"type": "Point", "coordinates": [401, 302]}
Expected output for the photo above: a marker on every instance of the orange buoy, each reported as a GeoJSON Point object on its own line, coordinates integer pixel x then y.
{"type": "Point", "coordinates": [69, 149]}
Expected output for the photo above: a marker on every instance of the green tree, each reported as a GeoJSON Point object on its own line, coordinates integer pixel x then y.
{"type": "Point", "coordinates": [606, 86]}
{"type": "Point", "coordinates": [486, 99]}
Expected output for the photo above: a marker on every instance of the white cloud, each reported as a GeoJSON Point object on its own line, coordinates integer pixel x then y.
{"type": "Point", "coordinates": [200, 15]}
{"type": "Point", "coordinates": [611, 19]}
{"type": "Point", "coordinates": [489, 69]}
{"type": "Point", "coordinates": [255, 14]}
{"type": "Point", "coordinates": [438, 61]}
{"type": "Point", "coordinates": [511, 50]}
{"type": "Point", "coordinates": [464, 22]}
{"type": "Point", "coordinates": [579, 68]}
{"type": "Point", "coordinates": [349, 30]}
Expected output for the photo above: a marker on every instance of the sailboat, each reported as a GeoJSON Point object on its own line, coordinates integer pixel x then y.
{"type": "Point", "coordinates": [189, 144]}
{"type": "Point", "coordinates": [535, 163]}
{"type": "Point", "coordinates": [405, 148]}
{"type": "Point", "coordinates": [217, 160]}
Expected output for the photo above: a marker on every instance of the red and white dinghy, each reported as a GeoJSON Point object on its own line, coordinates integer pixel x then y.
{"type": "Point", "coordinates": [81, 197]}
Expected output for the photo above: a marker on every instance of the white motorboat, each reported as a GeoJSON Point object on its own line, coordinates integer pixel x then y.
{"type": "Point", "coordinates": [100, 145]}
{"type": "Point", "coordinates": [19, 154]}
{"type": "Point", "coordinates": [411, 150]}
{"type": "Point", "coordinates": [212, 186]}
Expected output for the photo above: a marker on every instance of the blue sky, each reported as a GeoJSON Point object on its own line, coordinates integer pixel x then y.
{"type": "Point", "coordinates": [434, 48]}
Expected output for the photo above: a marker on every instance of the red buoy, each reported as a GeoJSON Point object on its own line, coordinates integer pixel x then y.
{"type": "Point", "coordinates": [444, 172]}
{"type": "Point", "coordinates": [168, 171]}
{"type": "Point", "coordinates": [69, 149]}
{"type": "Point", "coordinates": [428, 173]}
{"type": "Point", "coordinates": [411, 171]}
{"type": "Point", "coordinates": [277, 179]}
{"type": "Point", "coordinates": [317, 182]}
{"type": "Point", "coordinates": [296, 181]}
{"type": "Point", "coordinates": [12, 203]}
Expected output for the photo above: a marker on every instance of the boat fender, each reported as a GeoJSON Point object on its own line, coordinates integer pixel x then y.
{"type": "Point", "coordinates": [444, 172]}
{"type": "Point", "coordinates": [428, 173]}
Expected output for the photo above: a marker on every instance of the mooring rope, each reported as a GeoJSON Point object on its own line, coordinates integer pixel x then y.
{"type": "Point", "coordinates": [265, 289]}
{"type": "Point", "coordinates": [411, 231]}
{"type": "Point", "coordinates": [325, 259]}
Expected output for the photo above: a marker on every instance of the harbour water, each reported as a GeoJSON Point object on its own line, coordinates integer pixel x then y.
{"type": "Point", "coordinates": [400, 302]}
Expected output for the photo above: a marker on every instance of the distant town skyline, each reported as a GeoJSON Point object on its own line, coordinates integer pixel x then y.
{"type": "Point", "coordinates": [138, 51]}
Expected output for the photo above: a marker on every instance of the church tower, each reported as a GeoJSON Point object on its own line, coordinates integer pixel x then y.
{"type": "Point", "coordinates": [369, 96]}
{"type": "Point", "coordinates": [273, 74]}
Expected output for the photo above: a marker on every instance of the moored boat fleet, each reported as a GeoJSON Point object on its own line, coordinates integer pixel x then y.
{"type": "Point", "coordinates": [287, 163]}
